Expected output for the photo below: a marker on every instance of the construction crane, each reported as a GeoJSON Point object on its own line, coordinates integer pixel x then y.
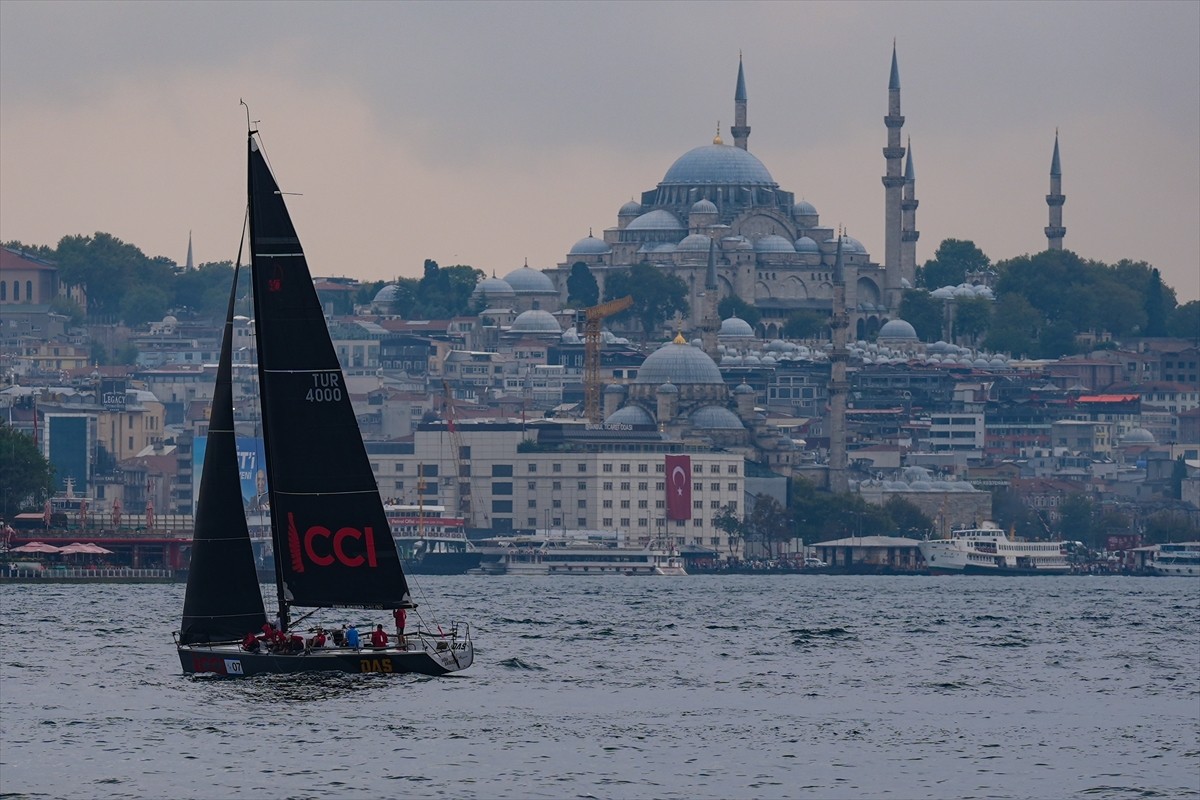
{"type": "Point", "coordinates": [589, 320]}
{"type": "Point", "coordinates": [466, 506]}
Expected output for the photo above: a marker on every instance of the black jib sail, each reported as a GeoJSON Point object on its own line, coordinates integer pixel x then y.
{"type": "Point", "coordinates": [223, 600]}
{"type": "Point", "coordinates": [333, 545]}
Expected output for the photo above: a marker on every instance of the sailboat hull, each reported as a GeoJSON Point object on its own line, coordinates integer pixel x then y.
{"type": "Point", "coordinates": [230, 660]}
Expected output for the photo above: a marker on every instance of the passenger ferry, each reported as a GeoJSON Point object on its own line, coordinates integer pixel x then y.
{"type": "Point", "coordinates": [431, 543]}
{"type": "Point", "coordinates": [987, 550]}
{"type": "Point", "coordinates": [560, 555]}
{"type": "Point", "coordinates": [1176, 559]}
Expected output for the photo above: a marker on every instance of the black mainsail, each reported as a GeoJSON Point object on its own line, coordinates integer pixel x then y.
{"type": "Point", "coordinates": [333, 544]}
{"type": "Point", "coordinates": [223, 600]}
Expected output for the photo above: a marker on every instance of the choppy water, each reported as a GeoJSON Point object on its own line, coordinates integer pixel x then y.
{"type": "Point", "coordinates": [699, 687]}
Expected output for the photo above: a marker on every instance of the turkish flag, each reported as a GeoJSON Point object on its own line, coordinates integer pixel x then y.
{"type": "Point", "coordinates": [679, 487]}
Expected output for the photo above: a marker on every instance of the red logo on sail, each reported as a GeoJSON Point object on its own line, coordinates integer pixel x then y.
{"type": "Point", "coordinates": [275, 282]}
{"type": "Point", "coordinates": [323, 547]}
{"type": "Point", "coordinates": [679, 487]}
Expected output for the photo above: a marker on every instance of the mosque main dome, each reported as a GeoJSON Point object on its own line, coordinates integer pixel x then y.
{"type": "Point", "coordinates": [719, 164]}
{"type": "Point", "coordinates": [678, 363]}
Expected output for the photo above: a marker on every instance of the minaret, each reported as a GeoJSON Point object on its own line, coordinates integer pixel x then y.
{"type": "Point", "coordinates": [1055, 230]}
{"type": "Point", "coordinates": [189, 266]}
{"type": "Point", "coordinates": [893, 183]}
{"type": "Point", "coordinates": [710, 322]}
{"type": "Point", "coordinates": [839, 387]}
{"type": "Point", "coordinates": [740, 130]}
{"type": "Point", "coordinates": [909, 233]}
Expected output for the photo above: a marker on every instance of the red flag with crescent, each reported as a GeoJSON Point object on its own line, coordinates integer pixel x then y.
{"type": "Point", "coordinates": [679, 487]}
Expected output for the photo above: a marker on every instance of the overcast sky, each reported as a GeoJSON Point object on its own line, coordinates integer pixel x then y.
{"type": "Point", "coordinates": [488, 133]}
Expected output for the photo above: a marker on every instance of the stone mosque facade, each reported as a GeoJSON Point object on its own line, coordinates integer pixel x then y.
{"type": "Point", "coordinates": [770, 248]}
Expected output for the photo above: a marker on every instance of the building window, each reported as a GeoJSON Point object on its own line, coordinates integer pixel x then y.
{"type": "Point", "coordinates": [713, 469]}
{"type": "Point", "coordinates": [643, 467]}
{"type": "Point", "coordinates": [532, 486]}
{"type": "Point", "coordinates": [643, 486]}
{"type": "Point", "coordinates": [624, 504]}
{"type": "Point", "coordinates": [624, 522]}
{"type": "Point", "coordinates": [716, 487]}
{"type": "Point", "coordinates": [714, 504]}
{"type": "Point", "coordinates": [643, 504]}
{"type": "Point", "coordinates": [624, 486]}
{"type": "Point", "coordinates": [607, 503]}
{"type": "Point", "coordinates": [660, 486]}
{"type": "Point", "coordinates": [660, 467]}
{"type": "Point", "coordinates": [697, 486]}
{"type": "Point", "coordinates": [608, 522]}
{"type": "Point", "coordinates": [501, 470]}
{"type": "Point", "coordinates": [399, 486]}
{"type": "Point", "coordinates": [643, 522]}
{"type": "Point", "coordinates": [532, 503]}
{"type": "Point", "coordinates": [556, 467]}
{"type": "Point", "coordinates": [733, 469]}
{"type": "Point", "coordinates": [532, 468]}
{"type": "Point", "coordinates": [625, 467]}
{"type": "Point", "coordinates": [556, 504]}
{"type": "Point", "coordinates": [581, 486]}
{"type": "Point", "coordinates": [606, 468]}
{"type": "Point", "coordinates": [697, 504]}
{"type": "Point", "coordinates": [502, 506]}
{"type": "Point", "coordinates": [581, 504]}
{"type": "Point", "coordinates": [581, 467]}
{"type": "Point", "coordinates": [608, 486]}
{"type": "Point", "coordinates": [502, 487]}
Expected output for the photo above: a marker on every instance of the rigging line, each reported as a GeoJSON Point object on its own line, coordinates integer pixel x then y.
{"type": "Point", "coordinates": [327, 494]}
{"type": "Point", "coordinates": [301, 371]}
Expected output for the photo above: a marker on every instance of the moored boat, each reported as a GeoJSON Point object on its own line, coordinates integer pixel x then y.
{"type": "Point", "coordinates": [556, 555]}
{"type": "Point", "coordinates": [431, 543]}
{"type": "Point", "coordinates": [988, 550]}
{"type": "Point", "coordinates": [330, 539]}
{"type": "Point", "coordinates": [1182, 558]}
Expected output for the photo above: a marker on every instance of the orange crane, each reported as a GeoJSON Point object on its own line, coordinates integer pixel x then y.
{"type": "Point", "coordinates": [590, 319]}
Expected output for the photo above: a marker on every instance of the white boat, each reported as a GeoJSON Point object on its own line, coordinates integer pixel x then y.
{"type": "Point", "coordinates": [1182, 558]}
{"type": "Point", "coordinates": [988, 550]}
{"type": "Point", "coordinates": [431, 543]}
{"type": "Point", "coordinates": [558, 555]}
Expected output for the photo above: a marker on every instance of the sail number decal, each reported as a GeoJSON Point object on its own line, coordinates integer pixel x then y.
{"type": "Point", "coordinates": [374, 665]}
{"type": "Point", "coordinates": [325, 388]}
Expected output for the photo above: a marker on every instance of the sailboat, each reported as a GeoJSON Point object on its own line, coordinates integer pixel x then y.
{"type": "Point", "coordinates": [330, 535]}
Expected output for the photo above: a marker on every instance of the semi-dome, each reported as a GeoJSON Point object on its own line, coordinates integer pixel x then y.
{"type": "Point", "coordinates": [897, 330]}
{"type": "Point", "coordinates": [590, 246]}
{"type": "Point", "coordinates": [630, 415]}
{"type": "Point", "coordinates": [657, 220]}
{"type": "Point", "coordinates": [704, 206]}
{"type": "Point", "coordinates": [738, 243]}
{"type": "Point", "coordinates": [803, 208]}
{"type": "Point", "coordinates": [806, 244]}
{"type": "Point", "coordinates": [389, 293]}
{"type": "Point", "coordinates": [716, 417]}
{"type": "Point", "coordinates": [631, 209]}
{"type": "Point", "coordinates": [527, 279]}
{"type": "Point", "coordinates": [736, 327]}
{"type": "Point", "coordinates": [773, 244]}
{"type": "Point", "coordinates": [718, 164]}
{"type": "Point", "coordinates": [535, 321]}
{"type": "Point", "coordinates": [852, 245]}
{"type": "Point", "coordinates": [678, 363]}
{"type": "Point", "coordinates": [668, 388]}
{"type": "Point", "coordinates": [695, 242]}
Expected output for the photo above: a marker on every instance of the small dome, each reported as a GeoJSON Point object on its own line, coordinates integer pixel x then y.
{"type": "Point", "coordinates": [806, 244]}
{"type": "Point", "coordinates": [631, 209]}
{"type": "Point", "coordinates": [1138, 436]}
{"type": "Point", "coordinates": [943, 293]}
{"type": "Point", "coordinates": [590, 246]}
{"type": "Point", "coordinates": [773, 244]}
{"type": "Point", "coordinates": [697, 242]}
{"type": "Point", "coordinates": [852, 245]}
{"type": "Point", "coordinates": [897, 330]}
{"type": "Point", "coordinates": [743, 388]}
{"type": "Point", "coordinates": [535, 321]}
{"type": "Point", "coordinates": [703, 206]}
{"type": "Point", "coordinates": [716, 417]}
{"type": "Point", "coordinates": [614, 388]}
{"type": "Point", "coordinates": [751, 361]}
{"type": "Point", "coordinates": [657, 220]}
{"type": "Point", "coordinates": [660, 248]}
{"type": "Point", "coordinates": [630, 415]}
{"type": "Point", "coordinates": [719, 164]}
{"type": "Point", "coordinates": [668, 388]}
{"type": "Point", "coordinates": [490, 287]}
{"type": "Point", "coordinates": [526, 280]}
{"type": "Point", "coordinates": [804, 209]}
{"type": "Point", "coordinates": [736, 327]}
{"type": "Point", "coordinates": [738, 243]}
{"type": "Point", "coordinates": [678, 364]}
{"type": "Point", "coordinates": [171, 320]}
{"type": "Point", "coordinates": [389, 293]}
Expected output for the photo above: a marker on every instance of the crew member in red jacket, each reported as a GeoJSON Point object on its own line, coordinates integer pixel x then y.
{"type": "Point", "coordinates": [379, 637]}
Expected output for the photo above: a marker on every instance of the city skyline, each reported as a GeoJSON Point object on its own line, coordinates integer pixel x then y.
{"type": "Point", "coordinates": [488, 134]}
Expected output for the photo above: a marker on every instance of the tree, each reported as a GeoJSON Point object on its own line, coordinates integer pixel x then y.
{"type": "Point", "coordinates": [143, 304]}
{"type": "Point", "coordinates": [1156, 307]}
{"type": "Point", "coordinates": [1015, 325]}
{"type": "Point", "coordinates": [1174, 524]}
{"type": "Point", "coordinates": [804, 324]}
{"type": "Point", "coordinates": [1184, 321]}
{"type": "Point", "coordinates": [203, 291]}
{"type": "Point", "coordinates": [656, 295]}
{"type": "Point", "coordinates": [769, 524]}
{"type": "Point", "coordinates": [1076, 516]}
{"type": "Point", "coordinates": [923, 312]}
{"type": "Point", "coordinates": [728, 522]}
{"type": "Point", "coordinates": [972, 317]}
{"type": "Point", "coordinates": [734, 306]}
{"type": "Point", "coordinates": [26, 478]}
{"type": "Point", "coordinates": [908, 520]}
{"type": "Point", "coordinates": [582, 289]}
{"type": "Point", "coordinates": [1010, 512]}
{"type": "Point", "coordinates": [954, 259]}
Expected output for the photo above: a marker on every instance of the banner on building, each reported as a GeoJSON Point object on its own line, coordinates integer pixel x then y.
{"type": "Point", "coordinates": [679, 487]}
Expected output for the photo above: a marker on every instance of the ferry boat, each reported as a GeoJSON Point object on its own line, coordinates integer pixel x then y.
{"type": "Point", "coordinates": [987, 550]}
{"type": "Point", "coordinates": [431, 543]}
{"type": "Point", "coordinates": [1182, 558]}
{"type": "Point", "coordinates": [558, 555]}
